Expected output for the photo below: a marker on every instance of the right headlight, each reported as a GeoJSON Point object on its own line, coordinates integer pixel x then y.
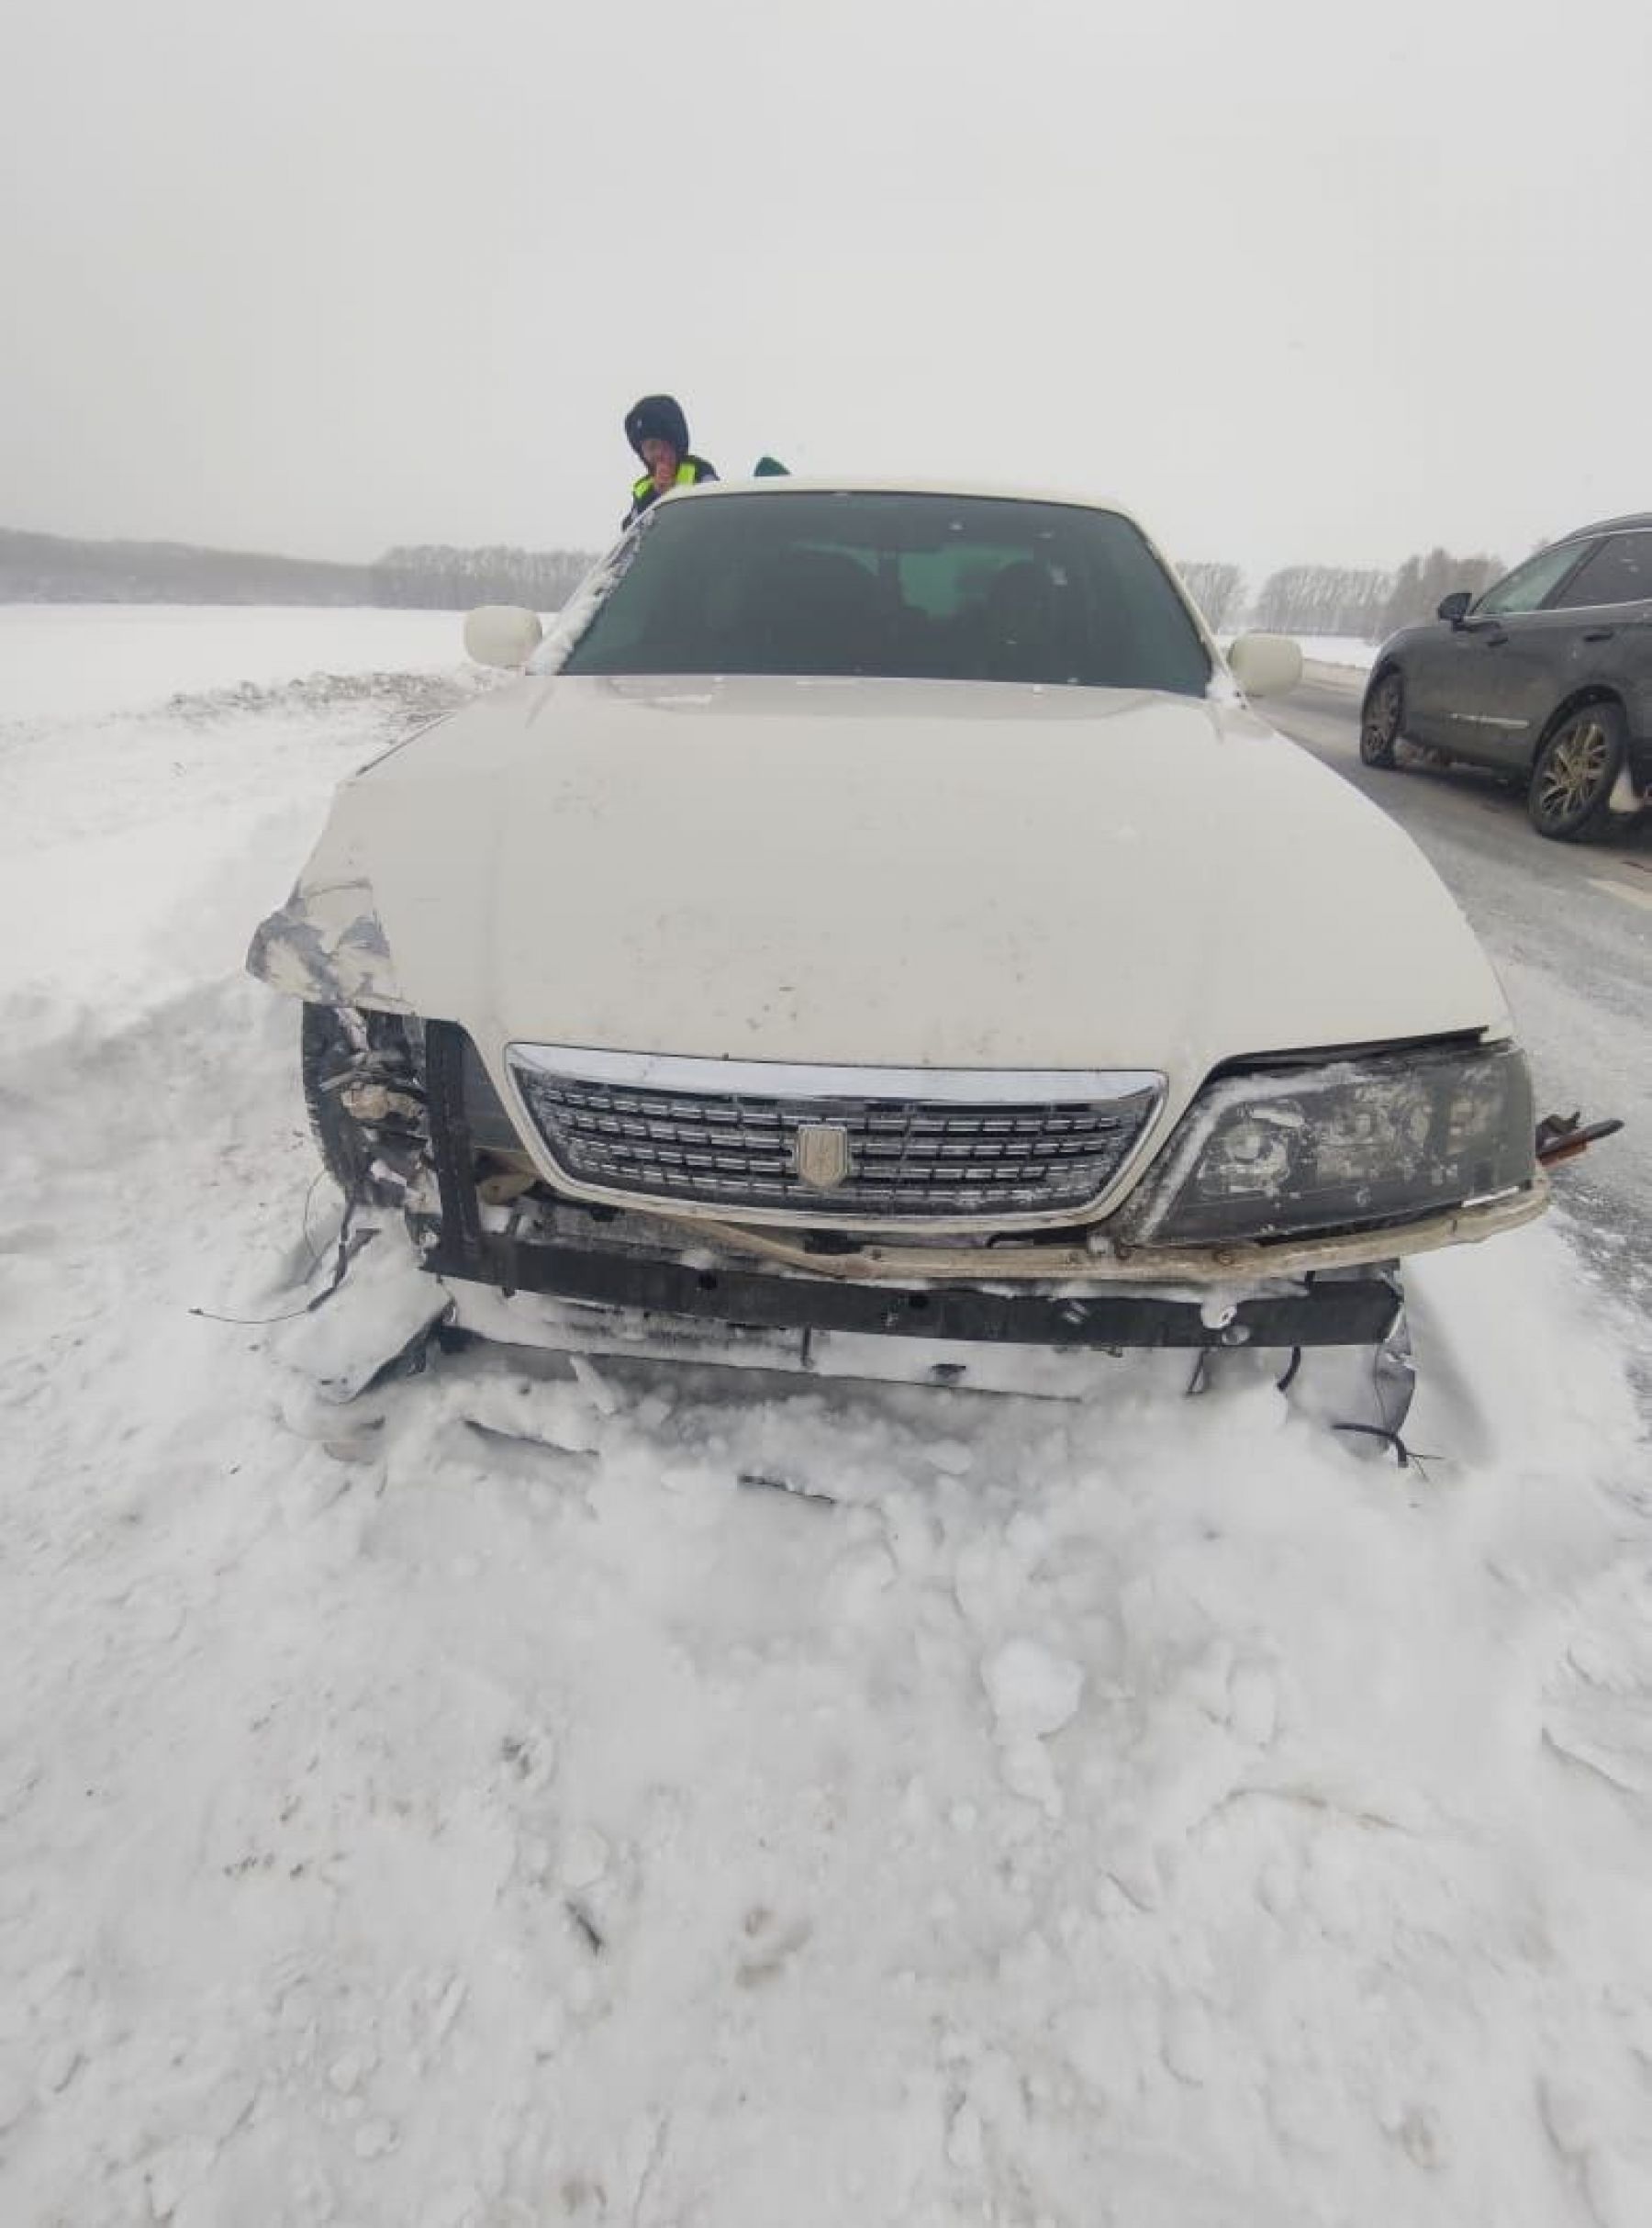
{"type": "Point", "coordinates": [1389, 1137]}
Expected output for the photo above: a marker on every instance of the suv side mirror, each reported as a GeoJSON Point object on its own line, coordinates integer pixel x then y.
{"type": "Point", "coordinates": [1266, 664]}
{"type": "Point", "coordinates": [500, 635]}
{"type": "Point", "coordinates": [1454, 609]}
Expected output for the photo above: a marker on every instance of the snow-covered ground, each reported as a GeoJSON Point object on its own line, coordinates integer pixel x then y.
{"type": "Point", "coordinates": [489, 1803]}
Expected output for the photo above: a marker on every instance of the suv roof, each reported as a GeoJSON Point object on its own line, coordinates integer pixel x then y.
{"type": "Point", "coordinates": [1636, 522]}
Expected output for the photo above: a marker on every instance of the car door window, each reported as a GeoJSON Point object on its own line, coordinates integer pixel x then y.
{"type": "Point", "coordinates": [1620, 571]}
{"type": "Point", "coordinates": [1526, 587]}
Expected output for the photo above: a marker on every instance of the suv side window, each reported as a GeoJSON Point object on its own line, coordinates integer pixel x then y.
{"type": "Point", "coordinates": [1524, 589]}
{"type": "Point", "coordinates": [1619, 572]}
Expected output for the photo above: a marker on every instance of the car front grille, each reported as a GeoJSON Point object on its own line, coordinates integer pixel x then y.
{"type": "Point", "coordinates": [815, 1145]}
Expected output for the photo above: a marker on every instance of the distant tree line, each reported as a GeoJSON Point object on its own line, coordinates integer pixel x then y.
{"type": "Point", "coordinates": [1323, 599]}
{"type": "Point", "coordinates": [1418, 586]}
{"type": "Point", "coordinates": [50, 568]}
{"type": "Point", "coordinates": [436, 578]}
{"type": "Point", "coordinates": [1219, 591]}
{"type": "Point", "coordinates": [53, 568]}
{"type": "Point", "coordinates": [1335, 598]}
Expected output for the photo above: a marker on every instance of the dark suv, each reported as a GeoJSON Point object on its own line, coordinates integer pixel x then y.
{"type": "Point", "coordinates": [1547, 677]}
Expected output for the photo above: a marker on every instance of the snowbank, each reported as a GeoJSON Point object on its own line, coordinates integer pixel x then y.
{"type": "Point", "coordinates": [62, 661]}
{"type": "Point", "coordinates": [493, 1801]}
{"type": "Point", "coordinates": [137, 845]}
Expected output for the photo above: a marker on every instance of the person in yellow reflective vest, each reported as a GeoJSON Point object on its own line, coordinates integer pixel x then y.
{"type": "Point", "coordinates": [657, 429]}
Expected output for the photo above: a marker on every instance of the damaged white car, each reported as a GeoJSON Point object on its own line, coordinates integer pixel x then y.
{"type": "Point", "coordinates": [877, 925]}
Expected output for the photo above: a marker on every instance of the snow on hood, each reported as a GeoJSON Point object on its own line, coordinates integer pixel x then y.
{"type": "Point", "coordinates": [902, 873]}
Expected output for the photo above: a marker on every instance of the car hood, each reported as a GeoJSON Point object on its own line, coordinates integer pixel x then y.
{"type": "Point", "coordinates": [896, 872]}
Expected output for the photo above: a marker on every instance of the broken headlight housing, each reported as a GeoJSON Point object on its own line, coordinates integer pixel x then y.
{"type": "Point", "coordinates": [1385, 1138]}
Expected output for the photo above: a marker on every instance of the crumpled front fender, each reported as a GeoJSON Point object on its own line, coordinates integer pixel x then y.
{"type": "Point", "coordinates": [326, 944]}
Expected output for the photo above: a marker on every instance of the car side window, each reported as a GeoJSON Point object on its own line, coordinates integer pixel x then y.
{"type": "Point", "coordinates": [1619, 572]}
{"type": "Point", "coordinates": [1524, 589]}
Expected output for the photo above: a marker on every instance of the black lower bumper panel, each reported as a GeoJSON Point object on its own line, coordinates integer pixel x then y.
{"type": "Point", "coordinates": [1355, 1312]}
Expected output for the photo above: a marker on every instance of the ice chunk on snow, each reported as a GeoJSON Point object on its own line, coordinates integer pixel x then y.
{"type": "Point", "coordinates": [595, 1386]}
{"type": "Point", "coordinates": [1034, 1691]}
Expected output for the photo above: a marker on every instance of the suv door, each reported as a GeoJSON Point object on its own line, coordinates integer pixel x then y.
{"type": "Point", "coordinates": [1582, 635]}
{"type": "Point", "coordinates": [1491, 677]}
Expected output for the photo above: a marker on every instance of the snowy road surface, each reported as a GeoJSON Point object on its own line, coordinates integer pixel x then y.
{"type": "Point", "coordinates": [484, 1805]}
{"type": "Point", "coordinates": [1569, 928]}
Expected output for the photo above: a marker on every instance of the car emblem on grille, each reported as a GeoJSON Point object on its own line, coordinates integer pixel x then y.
{"type": "Point", "coordinates": [821, 1153]}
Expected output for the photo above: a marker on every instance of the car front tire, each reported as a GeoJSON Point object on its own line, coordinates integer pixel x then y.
{"type": "Point", "coordinates": [333, 1051]}
{"type": "Point", "coordinates": [1572, 779]}
{"type": "Point", "coordinates": [1384, 717]}
{"type": "Point", "coordinates": [325, 1056]}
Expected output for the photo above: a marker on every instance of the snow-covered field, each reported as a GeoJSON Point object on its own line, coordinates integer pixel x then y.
{"type": "Point", "coordinates": [1344, 651]}
{"type": "Point", "coordinates": [79, 660]}
{"type": "Point", "coordinates": [486, 1805]}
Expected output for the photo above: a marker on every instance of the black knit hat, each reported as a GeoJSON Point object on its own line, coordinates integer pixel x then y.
{"type": "Point", "coordinates": [657, 418]}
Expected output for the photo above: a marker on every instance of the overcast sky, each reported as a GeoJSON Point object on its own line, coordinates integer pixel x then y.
{"type": "Point", "coordinates": [1294, 279]}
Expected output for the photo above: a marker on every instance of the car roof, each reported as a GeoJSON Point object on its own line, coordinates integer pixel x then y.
{"type": "Point", "coordinates": [970, 490]}
{"type": "Point", "coordinates": [1636, 522]}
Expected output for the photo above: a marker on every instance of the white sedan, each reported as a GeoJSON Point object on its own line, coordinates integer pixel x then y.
{"type": "Point", "coordinates": [878, 916]}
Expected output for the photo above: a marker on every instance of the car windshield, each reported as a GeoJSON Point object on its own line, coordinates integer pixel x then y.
{"type": "Point", "coordinates": [906, 586]}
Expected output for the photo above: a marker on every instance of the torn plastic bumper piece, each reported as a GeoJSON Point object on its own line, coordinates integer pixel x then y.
{"type": "Point", "coordinates": [1569, 1137]}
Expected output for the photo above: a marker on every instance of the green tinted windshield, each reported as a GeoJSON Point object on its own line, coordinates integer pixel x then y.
{"type": "Point", "coordinates": [906, 586]}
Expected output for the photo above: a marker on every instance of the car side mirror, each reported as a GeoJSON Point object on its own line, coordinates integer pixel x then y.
{"type": "Point", "coordinates": [1454, 609]}
{"type": "Point", "coordinates": [1266, 664]}
{"type": "Point", "coordinates": [501, 634]}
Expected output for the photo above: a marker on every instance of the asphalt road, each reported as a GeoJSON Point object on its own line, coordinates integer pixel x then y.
{"type": "Point", "coordinates": [1569, 929]}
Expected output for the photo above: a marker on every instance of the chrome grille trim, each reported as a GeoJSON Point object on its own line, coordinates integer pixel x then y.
{"type": "Point", "coordinates": [789, 1078]}
{"type": "Point", "coordinates": [1009, 1148]}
